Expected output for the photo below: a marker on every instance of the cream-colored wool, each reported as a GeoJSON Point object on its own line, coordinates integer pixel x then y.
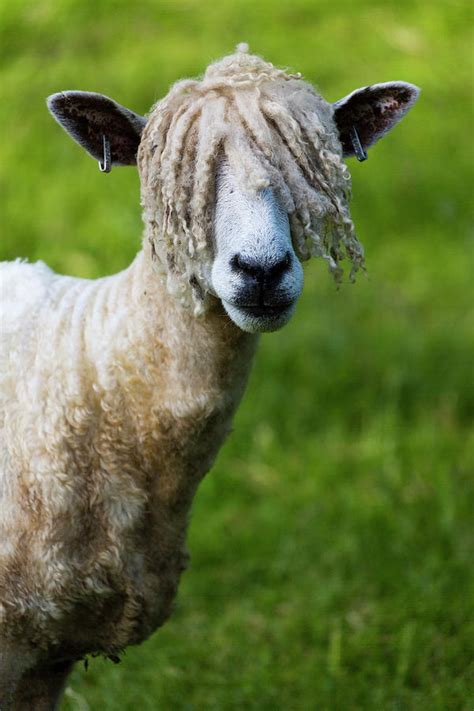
{"type": "Point", "coordinates": [275, 130]}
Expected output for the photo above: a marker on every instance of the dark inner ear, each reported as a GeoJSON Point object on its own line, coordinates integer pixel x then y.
{"type": "Point", "coordinates": [88, 117]}
{"type": "Point", "coordinates": [372, 111]}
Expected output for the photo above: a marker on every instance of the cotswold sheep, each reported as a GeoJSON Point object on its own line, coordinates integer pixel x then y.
{"type": "Point", "coordinates": [116, 394]}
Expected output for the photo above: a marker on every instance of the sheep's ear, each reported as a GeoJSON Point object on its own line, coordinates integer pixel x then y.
{"type": "Point", "coordinates": [99, 125]}
{"type": "Point", "coordinates": [367, 114]}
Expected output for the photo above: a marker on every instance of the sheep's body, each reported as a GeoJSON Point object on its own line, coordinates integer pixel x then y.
{"type": "Point", "coordinates": [109, 422]}
{"type": "Point", "coordinates": [114, 397]}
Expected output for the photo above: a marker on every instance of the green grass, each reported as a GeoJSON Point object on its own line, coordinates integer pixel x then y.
{"type": "Point", "coordinates": [332, 544]}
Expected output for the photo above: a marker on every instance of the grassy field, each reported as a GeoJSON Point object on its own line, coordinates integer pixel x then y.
{"type": "Point", "coordinates": [332, 545]}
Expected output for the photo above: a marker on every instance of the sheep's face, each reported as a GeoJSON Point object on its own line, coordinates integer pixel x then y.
{"type": "Point", "coordinates": [256, 273]}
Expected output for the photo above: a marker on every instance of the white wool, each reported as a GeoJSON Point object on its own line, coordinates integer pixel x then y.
{"type": "Point", "coordinates": [22, 287]}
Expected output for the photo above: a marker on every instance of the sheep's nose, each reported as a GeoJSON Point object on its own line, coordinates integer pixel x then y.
{"type": "Point", "coordinates": [260, 272]}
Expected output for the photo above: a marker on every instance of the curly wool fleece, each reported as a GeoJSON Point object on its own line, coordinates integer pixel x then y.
{"type": "Point", "coordinates": [274, 130]}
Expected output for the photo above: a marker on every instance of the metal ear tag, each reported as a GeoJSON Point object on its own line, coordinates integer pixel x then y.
{"type": "Point", "coordinates": [105, 165]}
{"type": "Point", "coordinates": [359, 150]}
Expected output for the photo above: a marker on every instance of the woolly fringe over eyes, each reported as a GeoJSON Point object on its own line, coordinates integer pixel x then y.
{"type": "Point", "coordinates": [275, 130]}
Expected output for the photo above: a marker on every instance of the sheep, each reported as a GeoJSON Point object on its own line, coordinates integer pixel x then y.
{"type": "Point", "coordinates": [117, 393]}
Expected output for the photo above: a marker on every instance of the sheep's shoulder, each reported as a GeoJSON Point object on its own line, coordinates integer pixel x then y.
{"type": "Point", "coordinates": [22, 287]}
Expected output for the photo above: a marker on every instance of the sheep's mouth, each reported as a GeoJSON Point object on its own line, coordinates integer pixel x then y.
{"type": "Point", "coordinates": [265, 311]}
{"type": "Point", "coordinates": [258, 318]}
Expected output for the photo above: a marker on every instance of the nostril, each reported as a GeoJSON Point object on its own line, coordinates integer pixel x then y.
{"type": "Point", "coordinates": [280, 268]}
{"type": "Point", "coordinates": [249, 266]}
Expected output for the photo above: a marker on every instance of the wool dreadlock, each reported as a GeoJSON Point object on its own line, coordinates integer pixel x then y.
{"type": "Point", "coordinates": [274, 130]}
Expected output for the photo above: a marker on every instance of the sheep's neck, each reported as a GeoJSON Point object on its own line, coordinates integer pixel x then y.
{"type": "Point", "coordinates": [179, 379]}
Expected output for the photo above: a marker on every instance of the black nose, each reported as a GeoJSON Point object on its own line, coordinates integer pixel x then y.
{"type": "Point", "coordinates": [263, 274]}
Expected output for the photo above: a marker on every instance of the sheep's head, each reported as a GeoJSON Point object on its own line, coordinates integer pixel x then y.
{"type": "Point", "coordinates": [242, 177]}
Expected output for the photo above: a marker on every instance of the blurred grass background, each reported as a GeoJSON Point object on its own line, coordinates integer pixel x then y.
{"type": "Point", "coordinates": [332, 545]}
